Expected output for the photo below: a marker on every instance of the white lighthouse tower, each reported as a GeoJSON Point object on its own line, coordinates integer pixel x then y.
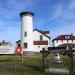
{"type": "Point", "coordinates": [27, 32]}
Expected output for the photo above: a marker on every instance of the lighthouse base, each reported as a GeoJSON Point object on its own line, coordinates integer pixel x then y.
{"type": "Point", "coordinates": [28, 53]}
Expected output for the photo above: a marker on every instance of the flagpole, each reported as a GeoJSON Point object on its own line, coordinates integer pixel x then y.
{"type": "Point", "coordinates": [22, 57]}
{"type": "Point", "coordinates": [15, 60]}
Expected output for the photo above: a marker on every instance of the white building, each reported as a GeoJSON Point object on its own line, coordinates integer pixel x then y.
{"type": "Point", "coordinates": [27, 32]}
{"type": "Point", "coordinates": [41, 39]}
{"type": "Point", "coordinates": [6, 48]}
{"type": "Point", "coordinates": [64, 40]}
{"type": "Point", "coordinates": [32, 40]}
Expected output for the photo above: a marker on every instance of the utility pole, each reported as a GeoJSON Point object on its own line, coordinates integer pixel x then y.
{"type": "Point", "coordinates": [44, 55]}
{"type": "Point", "coordinates": [70, 54]}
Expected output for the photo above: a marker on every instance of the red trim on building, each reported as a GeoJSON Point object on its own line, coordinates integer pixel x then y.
{"type": "Point", "coordinates": [65, 37]}
{"type": "Point", "coordinates": [40, 42]}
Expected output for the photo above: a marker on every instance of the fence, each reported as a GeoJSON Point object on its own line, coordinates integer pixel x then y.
{"type": "Point", "coordinates": [31, 66]}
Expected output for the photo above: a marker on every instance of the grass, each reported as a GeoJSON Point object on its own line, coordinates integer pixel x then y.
{"type": "Point", "coordinates": [9, 65]}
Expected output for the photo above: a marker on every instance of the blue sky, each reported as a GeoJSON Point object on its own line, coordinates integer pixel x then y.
{"type": "Point", "coordinates": [57, 16]}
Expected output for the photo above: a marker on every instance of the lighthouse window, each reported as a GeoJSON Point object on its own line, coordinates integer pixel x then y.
{"type": "Point", "coordinates": [25, 34]}
{"type": "Point", "coordinates": [25, 45]}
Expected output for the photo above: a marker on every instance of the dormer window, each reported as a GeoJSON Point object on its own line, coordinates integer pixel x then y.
{"type": "Point", "coordinates": [41, 37]}
{"type": "Point", "coordinates": [66, 37]}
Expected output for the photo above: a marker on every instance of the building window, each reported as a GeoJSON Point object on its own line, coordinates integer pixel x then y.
{"type": "Point", "coordinates": [67, 37]}
{"type": "Point", "coordinates": [57, 41]}
{"type": "Point", "coordinates": [25, 45]}
{"type": "Point", "coordinates": [67, 41]}
{"type": "Point", "coordinates": [25, 34]}
{"type": "Point", "coordinates": [0, 44]}
{"type": "Point", "coordinates": [62, 41]}
{"type": "Point", "coordinates": [72, 41]}
{"type": "Point", "coordinates": [41, 37]}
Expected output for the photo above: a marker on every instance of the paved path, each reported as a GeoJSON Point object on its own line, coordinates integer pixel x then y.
{"type": "Point", "coordinates": [58, 70]}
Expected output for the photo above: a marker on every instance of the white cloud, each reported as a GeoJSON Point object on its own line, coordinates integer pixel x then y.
{"type": "Point", "coordinates": [9, 17]}
{"type": "Point", "coordinates": [20, 4]}
{"type": "Point", "coordinates": [11, 8]}
{"type": "Point", "coordinates": [63, 29]}
{"type": "Point", "coordinates": [72, 4]}
{"type": "Point", "coordinates": [64, 19]}
{"type": "Point", "coordinates": [10, 34]}
{"type": "Point", "coordinates": [58, 10]}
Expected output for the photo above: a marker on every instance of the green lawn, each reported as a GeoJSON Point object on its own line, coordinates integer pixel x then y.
{"type": "Point", "coordinates": [10, 65]}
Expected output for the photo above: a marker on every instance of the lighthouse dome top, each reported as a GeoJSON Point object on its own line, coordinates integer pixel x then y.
{"type": "Point", "coordinates": [26, 13]}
